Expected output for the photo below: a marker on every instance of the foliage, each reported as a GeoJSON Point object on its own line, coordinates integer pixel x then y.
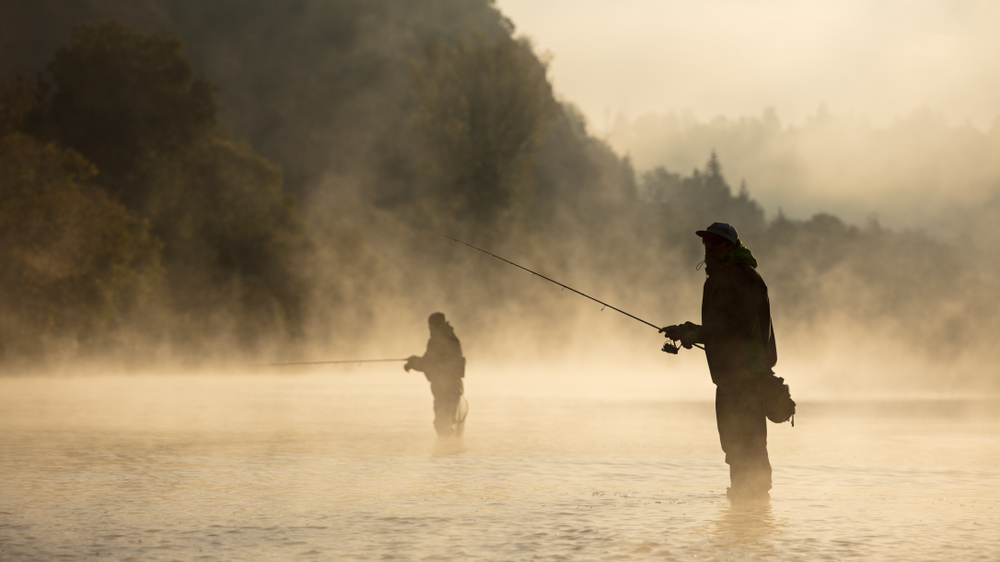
{"type": "Point", "coordinates": [123, 98]}
{"type": "Point", "coordinates": [483, 105]}
{"type": "Point", "coordinates": [131, 103]}
{"type": "Point", "coordinates": [121, 178]}
{"type": "Point", "coordinates": [694, 202]}
{"type": "Point", "coordinates": [234, 237]}
{"type": "Point", "coordinates": [76, 264]}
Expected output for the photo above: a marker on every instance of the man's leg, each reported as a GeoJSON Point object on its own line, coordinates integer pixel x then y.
{"type": "Point", "coordinates": [743, 435]}
{"type": "Point", "coordinates": [444, 413]}
{"type": "Point", "coordinates": [461, 412]}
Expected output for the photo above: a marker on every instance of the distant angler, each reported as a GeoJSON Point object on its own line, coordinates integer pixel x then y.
{"type": "Point", "coordinates": [444, 366]}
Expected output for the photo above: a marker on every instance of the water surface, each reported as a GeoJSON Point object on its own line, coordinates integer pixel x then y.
{"type": "Point", "coordinates": [344, 465]}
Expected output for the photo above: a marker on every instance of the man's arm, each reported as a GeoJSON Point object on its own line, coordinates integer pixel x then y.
{"type": "Point", "coordinates": [421, 363]}
{"type": "Point", "coordinates": [414, 362]}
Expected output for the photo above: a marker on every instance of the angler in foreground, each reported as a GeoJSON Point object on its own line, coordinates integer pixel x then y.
{"type": "Point", "coordinates": [739, 345]}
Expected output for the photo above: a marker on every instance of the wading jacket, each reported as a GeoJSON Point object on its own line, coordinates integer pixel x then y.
{"type": "Point", "coordinates": [736, 325]}
{"type": "Point", "coordinates": [442, 363]}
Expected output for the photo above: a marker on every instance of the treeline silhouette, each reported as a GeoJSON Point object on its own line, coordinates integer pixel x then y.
{"type": "Point", "coordinates": [140, 226]}
{"type": "Point", "coordinates": [907, 170]}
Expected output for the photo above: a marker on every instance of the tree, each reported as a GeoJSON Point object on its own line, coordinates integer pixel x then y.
{"type": "Point", "coordinates": [235, 237]}
{"type": "Point", "coordinates": [131, 103]}
{"type": "Point", "coordinates": [483, 105]}
{"type": "Point", "coordinates": [123, 98]}
{"type": "Point", "coordinates": [76, 264]}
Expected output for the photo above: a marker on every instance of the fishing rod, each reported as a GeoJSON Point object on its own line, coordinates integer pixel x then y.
{"type": "Point", "coordinates": [667, 347]}
{"type": "Point", "coordinates": [329, 362]}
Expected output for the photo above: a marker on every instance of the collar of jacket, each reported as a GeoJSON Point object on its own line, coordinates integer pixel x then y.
{"type": "Point", "coordinates": [741, 254]}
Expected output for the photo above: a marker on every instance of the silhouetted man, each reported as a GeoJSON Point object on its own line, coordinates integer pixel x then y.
{"type": "Point", "coordinates": [444, 367]}
{"type": "Point", "coordinates": [739, 345]}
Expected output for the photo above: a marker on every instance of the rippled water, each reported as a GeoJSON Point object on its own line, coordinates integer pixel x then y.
{"type": "Point", "coordinates": [345, 466]}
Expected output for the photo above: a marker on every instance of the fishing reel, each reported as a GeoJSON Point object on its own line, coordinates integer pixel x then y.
{"type": "Point", "coordinates": [670, 347]}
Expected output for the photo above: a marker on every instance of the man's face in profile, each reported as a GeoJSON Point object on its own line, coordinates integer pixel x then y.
{"type": "Point", "coordinates": [716, 247]}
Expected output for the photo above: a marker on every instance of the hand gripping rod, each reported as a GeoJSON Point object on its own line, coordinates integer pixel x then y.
{"type": "Point", "coordinates": [556, 282]}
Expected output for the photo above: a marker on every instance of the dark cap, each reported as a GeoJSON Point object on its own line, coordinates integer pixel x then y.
{"type": "Point", "coordinates": [723, 229]}
{"type": "Point", "coordinates": [436, 319]}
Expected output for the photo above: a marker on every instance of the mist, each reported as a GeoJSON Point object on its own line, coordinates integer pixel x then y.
{"type": "Point", "coordinates": [918, 172]}
{"type": "Point", "coordinates": [202, 205]}
{"type": "Point", "coordinates": [360, 165]}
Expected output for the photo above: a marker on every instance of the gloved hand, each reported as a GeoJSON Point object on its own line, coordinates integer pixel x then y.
{"type": "Point", "coordinates": [687, 340]}
{"type": "Point", "coordinates": [409, 362]}
{"type": "Point", "coordinates": [673, 332]}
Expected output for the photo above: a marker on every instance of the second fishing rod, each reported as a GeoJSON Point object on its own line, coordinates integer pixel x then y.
{"type": "Point", "coordinates": [668, 347]}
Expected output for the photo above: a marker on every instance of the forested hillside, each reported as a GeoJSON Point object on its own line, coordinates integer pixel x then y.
{"type": "Point", "coordinates": [275, 179]}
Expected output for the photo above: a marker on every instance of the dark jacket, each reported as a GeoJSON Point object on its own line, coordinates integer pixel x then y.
{"type": "Point", "coordinates": [442, 363]}
{"type": "Point", "coordinates": [736, 324]}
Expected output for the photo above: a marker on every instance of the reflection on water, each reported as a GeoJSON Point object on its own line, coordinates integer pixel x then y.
{"type": "Point", "coordinates": [447, 445]}
{"type": "Point", "coordinates": [347, 467]}
{"type": "Point", "coordinates": [748, 526]}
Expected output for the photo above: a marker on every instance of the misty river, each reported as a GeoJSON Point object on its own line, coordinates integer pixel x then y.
{"type": "Point", "coordinates": [343, 464]}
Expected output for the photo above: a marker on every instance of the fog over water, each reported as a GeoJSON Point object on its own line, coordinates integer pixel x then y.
{"type": "Point", "coordinates": [342, 464]}
{"type": "Point", "coordinates": [356, 168]}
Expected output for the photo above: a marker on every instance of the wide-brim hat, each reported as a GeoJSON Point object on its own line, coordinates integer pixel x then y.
{"type": "Point", "coordinates": [723, 229]}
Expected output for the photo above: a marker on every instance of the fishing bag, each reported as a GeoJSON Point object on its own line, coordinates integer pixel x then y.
{"type": "Point", "coordinates": [778, 404]}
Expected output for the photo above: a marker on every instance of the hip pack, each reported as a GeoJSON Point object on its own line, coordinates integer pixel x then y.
{"type": "Point", "coordinates": [777, 399]}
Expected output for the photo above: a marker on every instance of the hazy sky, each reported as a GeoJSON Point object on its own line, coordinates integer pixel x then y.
{"type": "Point", "coordinates": [874, 58]}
